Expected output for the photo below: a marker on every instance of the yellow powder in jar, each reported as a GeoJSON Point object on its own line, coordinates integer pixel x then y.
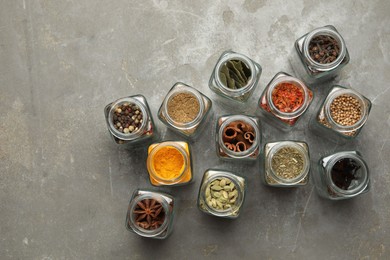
{"type": "Point", "coordinates": [168, 163]}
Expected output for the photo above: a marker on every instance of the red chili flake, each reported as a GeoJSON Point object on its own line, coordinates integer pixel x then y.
{"type": "Point", "coordinates": [287, 97]}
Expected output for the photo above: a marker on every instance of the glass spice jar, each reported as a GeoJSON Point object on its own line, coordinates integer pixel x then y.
{"type": "Point", "coordinates": [343, 114]}
{"type": "Point", "coordinates": [129, 121]}
{"type": "Point", "coordinates": [319, 55]}
{"type": "Point", "coordinates": [150, 214]}
{"type": "Point", "coordinates": [286, 164]}
{"type": "Point", "coordinates": [285, 100]}
{"type": "Point", "coordinates": [221, 193]}
{"type": "Point", "coordinates": [235, 76]}
{"type": "Point", "coordinates": [342, 175]}
{"type": "Point", "coordinates": [169, 163]}
{"type": "Point", "coordinates": [184, 110]}
{"type": "Point", "coordinates": [238, 137]}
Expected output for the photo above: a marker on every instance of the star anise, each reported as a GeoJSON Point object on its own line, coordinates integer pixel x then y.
{"type": "Point", "coordinates": [149, 214]}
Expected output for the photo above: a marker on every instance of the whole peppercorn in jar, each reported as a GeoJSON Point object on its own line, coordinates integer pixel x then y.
{"type": "Point", "coordinates": [287, 164]}
{"type": "Point", "coordinates": [343, 114]}
{"type": "Point", "coordinates": [184, 110]}
{"type": "Point", "coordinates": [221, 193]}
{"type": "Point", "coordinates": [129, 121]}
{"type": "Point", "coordinates": [235, 76]}
{"type": "Point", "coordinates": [342, 175]}
{"type": "Point", "coordinates": [285, 100]}
{"type": "Point", "coordinates": [238, 137]}
{"type": "Point", "coordinates": [319, 55]}
{"type": "Point", "coordinates": [169, 163]}
{"type": "Point", "coordinates": [150, 214]}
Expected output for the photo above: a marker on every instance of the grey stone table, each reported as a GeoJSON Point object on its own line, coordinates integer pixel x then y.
{"type": "Point", "coordinates": [65, 186]}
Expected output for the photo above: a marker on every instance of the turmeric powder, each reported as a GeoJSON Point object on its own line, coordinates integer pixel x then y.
{"type": "Point", "coordinates": [168, 163]}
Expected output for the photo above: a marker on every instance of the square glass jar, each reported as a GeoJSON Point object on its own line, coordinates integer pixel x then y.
{"type": "Point", "coordinates": [221, 193]}
{"type": "Point", "coordinates": [169, 163]}
{"type": "Point", "coordinates": [238, 137]}
{"type": "Point", "coordinates": [141, 129]}
{"type": "Point", "coordinates": [310, 70]}
{"type": "Point", "coordinates": [329, 121]}
{"type": "Point", "coordinates": [185, 110]}
{"type": "Point", "coordinates": [161, 205]}
{"type": "Point", "coordinates": [342, 175]}
{"type": "Point", "coordinates": [286, 155]}
{"type": "Point", "coordinates": [232, 70]}
{"type": "Point", "coordinates": [272, 102]}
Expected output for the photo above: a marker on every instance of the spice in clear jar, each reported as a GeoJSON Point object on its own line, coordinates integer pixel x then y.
{"type": "Point", "coordinates": [287, 97]}
{"type": "Point", "coordinates": [345, 110]}
{"type": "Point", "coordinates": [221, 194]}
{"type": "Point", "coordinates": [238, 136]}
{"type": "Point", "coordinates": [149, 214]}
{"type": "Point", "coordinates": [235, 74]}
{"type": "Point", "coordinates": [287, 163]}
{"type": "Point", "coordinates": [168, 163]}
{"type": "Point", "coordinates": [127, 118]}
{"type": "Point", "coordinates": [344, 172]}
{"type": "Point", "coordinates": [183, 107]}
{"type": "Point", "coordinates": [324, 49]}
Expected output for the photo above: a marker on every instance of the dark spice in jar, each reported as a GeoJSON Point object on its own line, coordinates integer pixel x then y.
{"type": "Point", "coordinates": [149, 214]}
{"type": "Point", "coordinates": [127, 118]}
{"type": "Point", "coordinates": [324, 49]}
{"type": "Point", "coordinates": [238, 136]}
{"type": "Point", "coordinates": [235, 74]}
{"type": "Point", "coordinates": [183, 107]}
{"type": "Point", "coordinates": [287, 163]}
{"type": "Point", "coordinates": [345, 110]}
{"type": "Point", "coordinates": [344, 172]}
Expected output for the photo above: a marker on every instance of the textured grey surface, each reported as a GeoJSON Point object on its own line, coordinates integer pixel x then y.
{"type": "Point", "coordinates": [64, 185]}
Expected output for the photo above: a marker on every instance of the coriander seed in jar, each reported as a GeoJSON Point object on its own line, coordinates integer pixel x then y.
{"type": "Point", "coordinates": [185, 110]}
{"type": "Point", "coordinates": [343, 114]}
{"type": "Point", "coordinates": [287, 164]}
{"type": "Point", "coordinates": [221, 193]}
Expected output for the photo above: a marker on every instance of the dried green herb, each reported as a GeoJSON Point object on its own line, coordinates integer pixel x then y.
{"type": "Point", "coordinates": [287, 163]}
{"type": "Point", "coordinates": [235, 74]}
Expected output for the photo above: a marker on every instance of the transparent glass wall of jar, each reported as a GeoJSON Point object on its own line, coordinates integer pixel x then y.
{"type": "Point", "coordinates": [221, 193]}
{"type": "Point", "coordinates": [169, 163]}
{"type": "Point", "coordinates": [235, 76]}
{"type": "Point", "coordinates": [238, 137]}
{"type": "Point", "coordinates": [342, 115]}
{"type": "Point", "coordinates": [130, 122]}
{"type": "Point", "coordinates": [317, 69]}
{"type": "Point", "coordinates": [150, 214]}
{"type": "Point", "coordinates": [284, 101]}
{"type": "Point", "coordinates": [342, 175]}
{"type": "Point", "coordinates": [188, 107]}
{"type": "Point", "coordinates": [286, 164]}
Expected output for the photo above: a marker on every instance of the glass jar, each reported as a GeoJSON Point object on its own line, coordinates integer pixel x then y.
{"type": "Point", "coordinates": [221, 199]}
{"type": "Point", "coordinates": [238, 137]}
{"type": "Point", "coordinates": [141, 124]}
{"type": "Point", "coordinates": [310, 68]}
{"type": "Point", "coordinates": [274, 106]}
{"type": "Point", "coordinates": [184, 110]}
{"type": "Point", "coordinates": [338, 118]}
{"type": "Point", "coordinates": [286, 164]}
{"type": "Point", "coordinates": [169, 163]}
{"type": "Point", "coordinates": [157, 220]}
{"type": "Point", "coordinates": [342, 175]}
{"type": "Point", "coordinates": [235, 76]}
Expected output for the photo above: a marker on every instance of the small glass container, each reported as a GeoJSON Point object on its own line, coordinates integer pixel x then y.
{"type": "Point", "coordinates": [223, 201]}
{"type": "Point", "coordinates": [280, 119]}
{"type": "Point", "coordinates": [274, 174]}
{"type": "Point", "coordinates": [342, 175]}
{"type": "Point", "coordinates": [238, 137]}
{"type": "Point", "coordinates": [326, 123]}
{"type": "Point", "coordinates": [189, 109]}
{"type": "Point", "coordinates": [246, 75]}
{"type": "Point", "coordinates": [169, 163]}
{"type": "Point", "coordinates": [310, 70]}
{"type": "Point", "coordinates": [143, 132]}
{"type": "Point", "coordinates": [160, 223]}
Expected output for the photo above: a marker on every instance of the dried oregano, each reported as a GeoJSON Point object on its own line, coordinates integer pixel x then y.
{"type": "Point", "coordinates": [287, 163]}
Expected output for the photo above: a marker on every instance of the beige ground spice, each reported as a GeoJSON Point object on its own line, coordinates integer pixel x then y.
{"type": "Point", "coordinates": [183, 107]}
